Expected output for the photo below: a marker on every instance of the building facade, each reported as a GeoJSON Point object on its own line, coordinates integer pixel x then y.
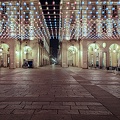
{"type": "Point", "coordinates": [24, 36]}
{"type": "Point", "coordinates": [89, 33]}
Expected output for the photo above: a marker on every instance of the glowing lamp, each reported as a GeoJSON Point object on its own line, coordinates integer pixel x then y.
{"type": "Point", "coordinates": [95, 50]}
{"type": "Point", "coordinates": [114, 50]}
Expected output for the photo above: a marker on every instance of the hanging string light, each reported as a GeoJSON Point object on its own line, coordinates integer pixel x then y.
{"type": "Point", "coordinates": [109, 14]}
{"type": "Point", "coordinates": [12, 20]}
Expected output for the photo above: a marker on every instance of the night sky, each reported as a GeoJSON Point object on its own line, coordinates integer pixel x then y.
{"type": "Point", "coordinates": [54, 45]}
{"type": "Point", "coordinates": [54, 41]}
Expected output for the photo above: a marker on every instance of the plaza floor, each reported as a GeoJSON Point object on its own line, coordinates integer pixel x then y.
{"type": "Point", "coordinates": [55, 93]}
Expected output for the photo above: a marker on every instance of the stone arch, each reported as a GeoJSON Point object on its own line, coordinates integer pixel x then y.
{"type": "Point", "coordinates": [4, 55]}
{"type": "Point", "coordinates": [27, 52]}
{"type": "Point", "coordinates": [27, 56]}
{"type": "Point", "coordinates": [93, 55]}
{"type": "Point", "coordinates": [114, 54]}
{"type": "Point", "coordinates": [93, 43]}
{"type": "Point", "coordinates": [72, 55]}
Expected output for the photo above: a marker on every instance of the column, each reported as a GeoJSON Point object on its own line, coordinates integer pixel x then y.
{"type": "Point", "coordinates": [107, 59]}
{"type": "Point", "coordinates": [12, 55]}
{"type": "Point", "coordinates": [5, 59]}
{"type": "Point", "coordinates": [94, 59]}
{"type": "Point", "coordinates": [84, 54]}
{"type": "Point", "coordinates": [35, 56]}
{"type": "Point", "coordinates": [79, 55]}
{"type": "Point", "coordinates": [100, 59]}
{"type": "Point", "coordinates": [20, 54]}
{"type": "Point", "coordinates": [64, 54]}
{"type": "Point", "coordinates": [114, 59]}
{"type": "Point", "coordinates": [41, 56]}
{"type": "Point", "coordinates": [0, 61]}
{"type": "Point", "coordinates": [77, 59]}
{"type": "Point", "coordinates": [42, 59]}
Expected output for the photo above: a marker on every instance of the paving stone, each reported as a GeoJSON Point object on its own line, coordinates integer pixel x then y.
{"type": "Point", "coordinates": [45, 112]}
{"type": "Point", "coordinates": [68, 103]}
{"type": "Point", "coordinates": [55, 107]}
{"type": "Point", "coordinates": [3, 111]}
{"type": "Point", "coordinates": [56, 103]}
{"type": "Point", "coordinates": [23, 111]}
{"type": "Point", "coordinates": [93, 117]}
{"type": "Point", "coordinates": [2, 106]}
{"type": "Point", "coordinates": [118, 117]}
{"type": "Point", "coordinates": [97, 107]}
{"type": "Point", "coordinates": [32, 106]}
{"type": "Point", "coordinates": [68, 112]}
{"type": "Point", "coordinates": [14, 107]}
{"type": "Point", "coordinates": [88, 103]}
{"type": "Point", "coordinates": [40, 103]}
{"type": "Point", "coordinates": [15, 117]}
{"type": "Point", "coordinates": [58, 93]}
{"type": "Point", "coordinates": [79, 107]}
{"type": "Point", "coordinates": [94, 112]}
{"type": "Point", "coordinates": [25, 103]}
{"type": "Point", "coordinates": [10, 103]}
{"type": "Point", "coordinates": [51, 117]}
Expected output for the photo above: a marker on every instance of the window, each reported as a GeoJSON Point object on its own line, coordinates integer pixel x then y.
{"type": "Point", "coordinates": [104, 11]}
{"type": "Point", "coordinates": [115, 29]}
{"type": "Point", "coordinates": [4, 27]}
{"type": "Point", "coordinates": [73, 34]}
{"type": "Point", "coordinates": [93, 12]}
{"type": "Point", "coordinates": [93, 32]}
{"type": "Point", "coordinates": [26, 33]}
{"type": "Point", "coordinates": [104, 27]}
{"type": "Point", "coordinates": [3, 9]}
{"type": "Point", "coordinates": [27, 12]}
{"type": "Point", "coordinates": [26, 16]}
{"type": "Point", "coordinates": [114, 11]}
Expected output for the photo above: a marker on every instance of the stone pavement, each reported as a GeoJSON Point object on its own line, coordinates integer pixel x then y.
{"type": "Point", "coordinates": [55, 93]}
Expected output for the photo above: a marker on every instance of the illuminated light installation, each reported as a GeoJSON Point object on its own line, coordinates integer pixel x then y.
{"type": "Point", "coordinates": [89, 23]}
{"type": "Point", "coordinates": [94, 20]}
{"type": "Point", "coordinates": [22, 20]}
{"type": "Point", "coordinates": [51, 13]}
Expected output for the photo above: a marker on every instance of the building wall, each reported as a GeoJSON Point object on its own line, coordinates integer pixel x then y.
{"type": "Point", "coordinates": [103, 57]}
{"type": "Point", "coordinates": [90, 23]}
{"type": "Point", "coordinates": [23, 34]}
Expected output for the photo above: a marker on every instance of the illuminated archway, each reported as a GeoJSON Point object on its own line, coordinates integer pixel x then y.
{"type": "Point", "coordinates": [72, 56]}
{"type": "Point", "coordinates": [93, 55]}
{"type": "Point", "coordinates": [4, 55]}
{"type": "Point", "coordinates": [114, 51]}
{"type": "Point", "coordinates": [27, 52]}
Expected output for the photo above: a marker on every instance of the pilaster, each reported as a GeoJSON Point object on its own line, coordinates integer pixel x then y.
{"type": "Point", "coordinates": [64, 54]}
{"type": "Point", "coordinates": [12, 54]}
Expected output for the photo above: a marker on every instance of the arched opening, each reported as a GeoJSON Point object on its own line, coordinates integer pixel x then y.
{"type": "Point", "coordinates": [72, 56]}
{"type": "Point", "coordinates": [93, 55]}
{"type": "Point", "coordinates": [4, 55]}
{"type": "Point", "coordinates": [114, 51]}
{"type": "Point", "coordinates": [27, 56]}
